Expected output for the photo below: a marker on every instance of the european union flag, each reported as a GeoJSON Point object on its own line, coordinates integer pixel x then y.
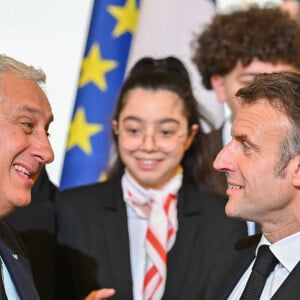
{"type": "Point", "coordinates": [102, 72]}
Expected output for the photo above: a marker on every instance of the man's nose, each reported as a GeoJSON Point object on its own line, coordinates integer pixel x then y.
{"type": "Point", "coordinates": [43, 149]}
{"type": "Point", "coordinates": [223, 161]}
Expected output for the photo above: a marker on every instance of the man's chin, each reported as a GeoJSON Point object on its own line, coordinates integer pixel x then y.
{"type": "Point", "coordinates": [22, 200]}
{"type": "Point", "coordinates": [232, 210]}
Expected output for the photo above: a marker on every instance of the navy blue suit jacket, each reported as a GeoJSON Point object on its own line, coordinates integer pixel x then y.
{"type": "Point", "coordinates": [14, 256]}
{"type": "Point", "coordinates": [35, 225]}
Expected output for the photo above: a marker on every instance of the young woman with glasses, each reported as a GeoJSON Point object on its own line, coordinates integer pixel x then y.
{"type": "Point", "coordinates": [155, 228]}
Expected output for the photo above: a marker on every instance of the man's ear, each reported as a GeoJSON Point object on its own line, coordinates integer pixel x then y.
{"type": "Point", "coordinates": [218, 84]}
{"type": "Point", "coordinates": [296, 173]}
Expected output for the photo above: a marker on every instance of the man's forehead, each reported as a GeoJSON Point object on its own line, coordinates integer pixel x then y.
{"type": "Point", "coordinates": [260, 115]}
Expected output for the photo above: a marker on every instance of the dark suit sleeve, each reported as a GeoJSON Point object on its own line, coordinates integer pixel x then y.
{"type": "Point", "coordinates": [92, 241]}
{"type": "Point", "coordinates": [70, 206]}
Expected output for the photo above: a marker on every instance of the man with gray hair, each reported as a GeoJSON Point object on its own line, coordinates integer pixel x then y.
{"type": "Point", "coordinates": [25, 116]}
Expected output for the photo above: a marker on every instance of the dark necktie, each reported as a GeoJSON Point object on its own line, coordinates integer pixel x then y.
{"type": "Point", "coordinates": [264, 264]}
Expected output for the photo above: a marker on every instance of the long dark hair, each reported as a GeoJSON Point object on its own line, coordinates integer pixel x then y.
{"type": "Point", "coordinates": [171, 75]}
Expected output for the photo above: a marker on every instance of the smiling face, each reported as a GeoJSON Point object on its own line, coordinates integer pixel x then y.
{"type": "Point", "coordinates": [239, 77]}
{"type": "Point", "coordinates": [256, 191]}
{"type": "Point", "coordinates": [153, 136]}
{"type": "Point", "coordinates": [25, 115]}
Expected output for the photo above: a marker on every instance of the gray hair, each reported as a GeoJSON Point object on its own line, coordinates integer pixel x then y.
{"type": "Point", "coordinates": [9, 64]}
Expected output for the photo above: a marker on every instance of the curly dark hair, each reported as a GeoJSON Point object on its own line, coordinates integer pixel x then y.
{"type": "Point", "coordinates": [268, 34]}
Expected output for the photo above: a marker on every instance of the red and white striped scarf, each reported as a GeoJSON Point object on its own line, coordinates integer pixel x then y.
{"type": "Point", "coordinates": [159, 206]}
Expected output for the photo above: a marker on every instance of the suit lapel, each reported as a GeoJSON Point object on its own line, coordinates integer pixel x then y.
{"type": "Point", "coordinates": [18, 267]}
{"type": "Point", "coordinates": [179, 256]}
{"type": "Point", "coordinates": [244, 253]}
{"type": "Point", "coordinates": [290, 287]}
{"type": "Point", "coordinates": [236, 271]}
{"type": "Point", "coordinates": [117, 238]}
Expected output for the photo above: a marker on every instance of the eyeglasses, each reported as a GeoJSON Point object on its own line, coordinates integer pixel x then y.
{"type": "Point", "coordinates": [165, 137]}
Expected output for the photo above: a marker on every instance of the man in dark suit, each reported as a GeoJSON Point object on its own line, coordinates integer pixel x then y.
{"type": "Point", "coordinates": [35, 224]}
{"type": "Point", "coordinates": [25, 116]}
{"type": "Point", "coordinates": [262, 164]}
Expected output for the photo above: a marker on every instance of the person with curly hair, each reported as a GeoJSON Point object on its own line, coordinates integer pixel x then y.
{"type": "Point", "coordinates": [235, 47]}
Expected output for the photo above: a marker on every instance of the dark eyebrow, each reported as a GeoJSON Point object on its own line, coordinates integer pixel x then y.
{"type": "Point", "coordinates": [168, 120]}
{"type": "Point", "coordinates": [133, 118]}
{"type": "Point", "coordinates": [162, 121]}
{"type": "Point", "coordinates": [241, 137]}
{"type": "Point", "coordinates": [244, 137]}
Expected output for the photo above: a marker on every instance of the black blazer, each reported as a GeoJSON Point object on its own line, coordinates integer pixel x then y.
{"type": "Point", "coordinates": [13, 254]}
{"type": "Point", "coordinates": [35, 225]}
{"type": "Point", "coordinates": [93, 243]}
{"type": "Point", "coordinates": [244, 254]}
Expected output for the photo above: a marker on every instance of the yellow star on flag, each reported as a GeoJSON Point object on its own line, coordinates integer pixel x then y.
{"type": "Point", "coordinates": [103, 176]}
{"type": "Point", "coordinates": [81, 132]}
{"type": "Point", "coordinates": [94, 68]}
{"type": "Point", "coordinates": [126, 16]}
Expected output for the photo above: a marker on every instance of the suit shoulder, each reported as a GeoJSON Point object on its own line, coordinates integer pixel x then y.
{"type": "Point", "coordinates": [11, 238]}
{"type": "Point", "coordinates": [91, 196]}
{"type": "Point", "coordinates": [99, 187]}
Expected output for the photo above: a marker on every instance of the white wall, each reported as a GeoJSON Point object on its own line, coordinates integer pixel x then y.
{"type": "Point", "coordinates": [49, 34]}
{"type": "Point", "coordinates": [225, 6]}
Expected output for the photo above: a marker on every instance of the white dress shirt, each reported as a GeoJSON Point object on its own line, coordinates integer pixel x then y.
{"type": "Point", "coordinates": [287, 251]}
{"type": "Point", "coordinates": [9, 287]}
{"type": "Point", "coordinates": [137, 227]}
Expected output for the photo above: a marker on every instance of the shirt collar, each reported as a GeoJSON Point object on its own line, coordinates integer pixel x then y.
{"type": "Point", "coordinates": [286, 250]}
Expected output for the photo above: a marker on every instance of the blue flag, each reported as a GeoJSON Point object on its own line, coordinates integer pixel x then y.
{"type": "Point", "coordinates": [102, 73]}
